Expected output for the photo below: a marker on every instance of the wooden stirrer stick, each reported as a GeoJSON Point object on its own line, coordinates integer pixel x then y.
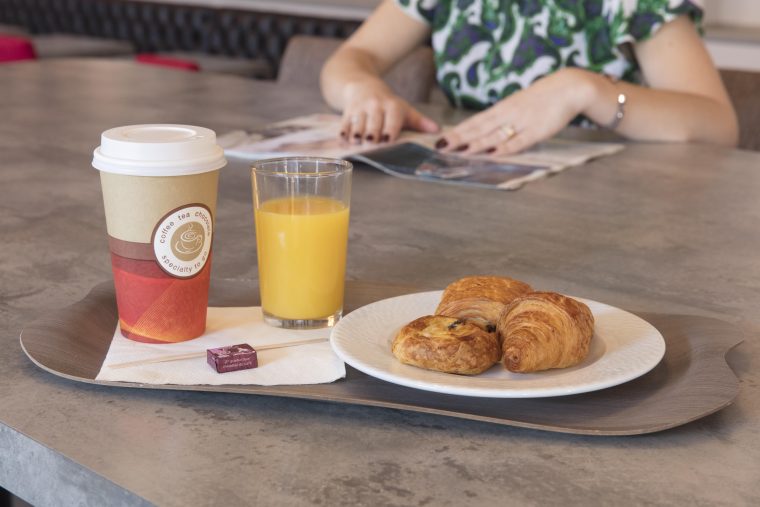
{"type": "Point", "coordinates": [193, 355]}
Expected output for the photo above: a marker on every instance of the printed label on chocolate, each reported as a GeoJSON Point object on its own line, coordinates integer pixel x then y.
{"type": "Point", "coordinates": [182, 240]}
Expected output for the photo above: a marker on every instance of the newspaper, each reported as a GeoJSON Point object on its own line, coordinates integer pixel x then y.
{"type": "Point", "coordinates": [412, 155]}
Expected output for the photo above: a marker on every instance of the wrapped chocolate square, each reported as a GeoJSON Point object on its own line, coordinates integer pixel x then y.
{"type": "Point", "coordinates": [232, 358]}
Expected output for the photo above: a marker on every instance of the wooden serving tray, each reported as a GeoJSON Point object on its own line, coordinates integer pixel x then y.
{"type": "Point", "coordinates": [692, 381]}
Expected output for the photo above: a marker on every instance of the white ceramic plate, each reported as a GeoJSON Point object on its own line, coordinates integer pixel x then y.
{"type": "Point", "coordinates": [624, 347]}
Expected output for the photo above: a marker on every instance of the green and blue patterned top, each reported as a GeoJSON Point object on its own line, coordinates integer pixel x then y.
{"type": "Point", "coordinates": [487, 49]}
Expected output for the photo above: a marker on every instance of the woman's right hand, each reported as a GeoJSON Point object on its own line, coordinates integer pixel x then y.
{"type": "Point", "coordinates": [351, 78]}
{"type": "Point", "coordinates": [373, 113]}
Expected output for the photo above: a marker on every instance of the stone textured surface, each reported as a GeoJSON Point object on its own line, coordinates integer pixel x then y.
{"type": "Point", "coordinates": [46, 478]}
{"type": "Point", "coordinates": [666, 228]}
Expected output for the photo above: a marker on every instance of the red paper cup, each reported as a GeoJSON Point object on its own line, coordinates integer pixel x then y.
{"type": "Point", "coordinates": [159, 191]}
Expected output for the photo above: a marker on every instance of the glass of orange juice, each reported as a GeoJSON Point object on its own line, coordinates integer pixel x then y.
{"type": "Point", "coordinates": [301, 209]}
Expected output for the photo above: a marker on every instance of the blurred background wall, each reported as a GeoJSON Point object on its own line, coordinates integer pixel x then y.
{"type": "Point", "coordinates": [260, 29]}
{"type": "Point", "coordinates": [733, 33]}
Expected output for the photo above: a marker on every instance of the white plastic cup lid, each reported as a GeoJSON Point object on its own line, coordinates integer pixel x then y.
{"type": "Point", "coordinates": [158, 150]}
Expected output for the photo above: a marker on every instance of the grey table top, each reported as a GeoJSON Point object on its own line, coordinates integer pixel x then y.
{"type": "Point", "coordinates": [667, 228]}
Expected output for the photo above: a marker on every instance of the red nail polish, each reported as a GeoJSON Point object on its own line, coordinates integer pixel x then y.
{"type": "Point", "coordinates": [385, 138]}
{"type": "Point", "coordinates": [491, 149]}
{"type": "Point", "coordinates": [357, 136]}
{"type": "Point", "coordinates": [370, 137]}
{"type": "Point", "coordinates": [462, 147]}
{"type": "Point", "coordinates": [441, 143]}
{"type": "Point", "coordinates": [342, 133]}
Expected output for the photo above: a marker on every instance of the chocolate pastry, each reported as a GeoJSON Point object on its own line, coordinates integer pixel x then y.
{"type": "Point", "coordinates": [545, 330]}
{"type": "Point", "coordinates": [483, 312]}
{"type": "Point", "coordinates": [446, 344]}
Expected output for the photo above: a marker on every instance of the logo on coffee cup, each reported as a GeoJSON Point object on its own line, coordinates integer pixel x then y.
{"type": "Point", "coordinates": [187, 241]}
{"type": "Point", "coordinates": [182, 240]}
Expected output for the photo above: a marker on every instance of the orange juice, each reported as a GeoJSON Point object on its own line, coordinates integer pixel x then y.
{"type": "Point", "coordinates": [301, 245]}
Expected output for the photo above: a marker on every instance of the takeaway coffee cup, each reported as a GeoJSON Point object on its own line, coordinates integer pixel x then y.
{"type": "Point", "coordinates": [159, 191]}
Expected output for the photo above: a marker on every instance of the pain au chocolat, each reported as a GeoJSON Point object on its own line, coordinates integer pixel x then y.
{"type": "Point", "coordinates": [545, 330]}
{"type": "Point", "coordinates": [483, 312]}
{"type": "Point", "coordinates": [446, 344]}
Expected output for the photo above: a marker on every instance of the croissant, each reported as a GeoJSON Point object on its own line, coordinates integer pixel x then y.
{"type": "Point", "coordinates": [495, 288]}
{"type": "Point", "coordinates": [545, 330]}
{"type": "Point", "coordinates": [482, 312]}
{"type": "Point", "coordinates": [446, 344]}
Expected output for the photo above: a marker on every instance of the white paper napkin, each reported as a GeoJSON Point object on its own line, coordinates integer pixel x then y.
{"type": "Point", "coordinates": [303, 364]}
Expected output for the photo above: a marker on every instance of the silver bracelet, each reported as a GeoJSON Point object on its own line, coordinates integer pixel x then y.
{"type": "Point", "coordinates": [621, 99]}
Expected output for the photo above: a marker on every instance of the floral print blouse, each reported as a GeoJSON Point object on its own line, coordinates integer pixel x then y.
{"type": "Point", "coordinates": [487, 49]}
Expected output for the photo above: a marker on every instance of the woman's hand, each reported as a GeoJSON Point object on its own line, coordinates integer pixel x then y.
{"type": "Point", "coordinates": [684, 101]}
{"type": "Point", "coordinates": [526, 117]}
{"type": "Point", "coordinates": [372, 112]}
{"type": "Point", "coordinates": [351, 78]}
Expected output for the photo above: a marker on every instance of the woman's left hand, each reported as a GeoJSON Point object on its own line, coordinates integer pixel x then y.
{"type": "Point", "coordinates": [524, 118]}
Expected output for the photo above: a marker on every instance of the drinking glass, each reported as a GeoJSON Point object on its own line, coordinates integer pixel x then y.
{"type": "Point", "coordinates": [301, 209]}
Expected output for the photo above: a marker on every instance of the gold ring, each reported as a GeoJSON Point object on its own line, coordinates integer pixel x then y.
{"type": "Point", "coordinates": [507, 132]}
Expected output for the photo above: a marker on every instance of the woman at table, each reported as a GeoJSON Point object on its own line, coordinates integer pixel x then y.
{"type": "Point", "coordinates": [534, 66]}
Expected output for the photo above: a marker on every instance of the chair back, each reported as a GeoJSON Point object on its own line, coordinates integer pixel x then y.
{"type": "Point", "coordinates": [744, 90]}
{"type": "Point", "coordinates": [412, 78]}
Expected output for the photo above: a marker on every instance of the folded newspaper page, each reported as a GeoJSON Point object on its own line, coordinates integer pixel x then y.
{"type": "Point", "coordinates": [412, 155]}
